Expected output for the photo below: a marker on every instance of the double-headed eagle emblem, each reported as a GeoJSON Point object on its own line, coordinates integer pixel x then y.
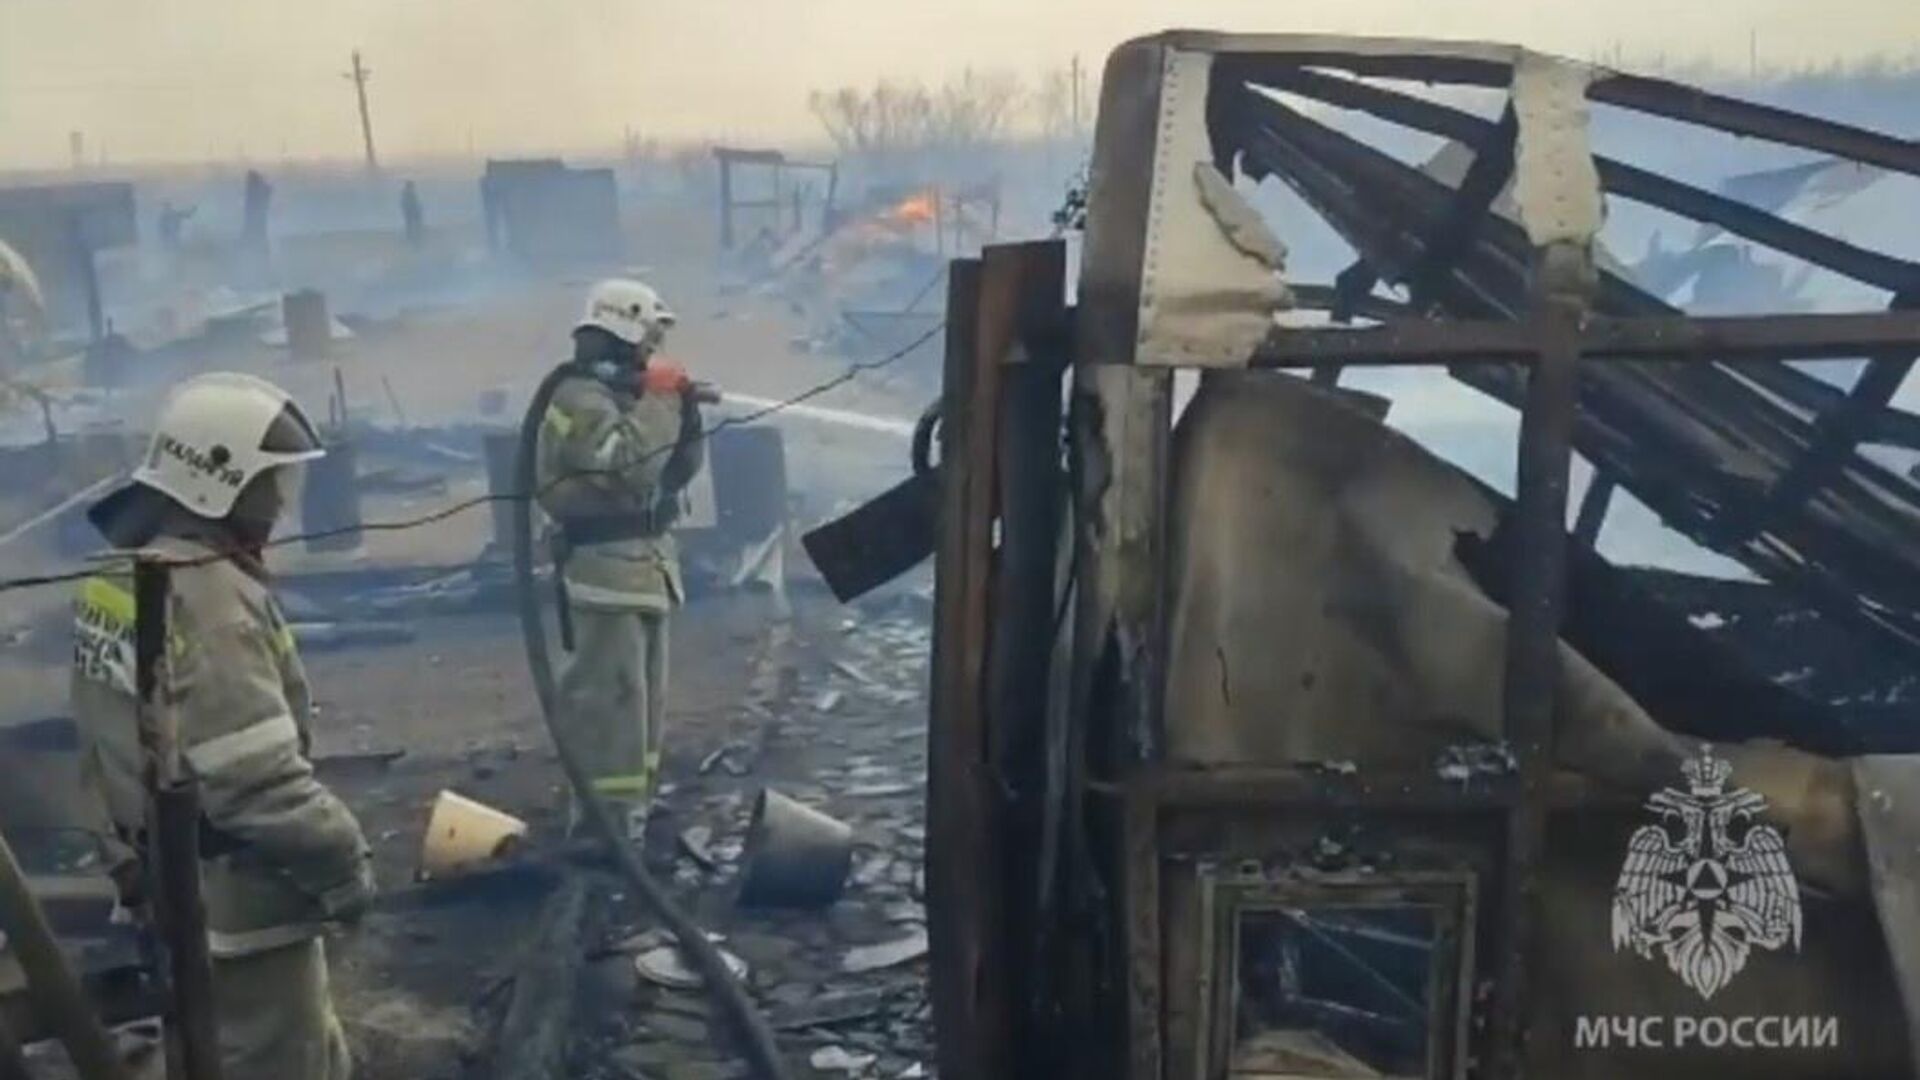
{"type": "Point", "coordinates": [1709, 883]}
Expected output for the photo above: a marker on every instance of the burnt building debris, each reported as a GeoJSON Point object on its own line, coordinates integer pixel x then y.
{"type": "Point", "coordinates": [59, 230]}
{"type": "Point", "coordinates": [255, 216]}
{"type": "Point", "coordinates": [546, 213]}
{"type": "Point", "coordinates": [1238, 784]}
{"type": "Point", "coordinates": [779, 203]}
{"type": "Point", "coordinates": [1263, 742]}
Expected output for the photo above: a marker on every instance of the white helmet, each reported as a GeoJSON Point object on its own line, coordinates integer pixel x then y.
{"type": "Point", "coordinates": [627, 309]}
{"type": "Point", "coordinates": [216, 433]}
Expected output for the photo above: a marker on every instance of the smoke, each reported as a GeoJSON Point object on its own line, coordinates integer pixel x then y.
{"type": "Point", "coordinates": [200, 79]}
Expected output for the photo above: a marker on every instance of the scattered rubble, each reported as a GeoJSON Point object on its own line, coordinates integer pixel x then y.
{"type": "Point", "coordinates": [843, 985]}
{"type": "Point", "coordinates": [839, 1059]}
{"type": "Point", "coordinates": [664, 966]}
{"type": "Point", "coordinates": [889, 954]}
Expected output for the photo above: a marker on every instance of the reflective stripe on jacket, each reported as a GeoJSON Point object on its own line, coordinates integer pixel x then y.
{"type": "Point", "coordinates": [240, 699]}
{"type": "Point", "coordinates": [603, 453]}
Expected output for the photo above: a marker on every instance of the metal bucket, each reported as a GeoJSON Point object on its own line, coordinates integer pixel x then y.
{"type": "Point", "coordinates": [462, 833]}
{"type": "Point", "coordinates": [795, 855]}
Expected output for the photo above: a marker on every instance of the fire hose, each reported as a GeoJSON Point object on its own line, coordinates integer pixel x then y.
{"type": "Point", "coordinates": [761, 1050]}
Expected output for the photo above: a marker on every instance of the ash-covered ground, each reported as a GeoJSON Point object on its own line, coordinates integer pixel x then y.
{"type": "Point", "coordinates": [823, 704]}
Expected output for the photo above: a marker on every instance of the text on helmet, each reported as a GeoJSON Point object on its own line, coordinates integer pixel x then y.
{"type": "Point", "coordinates": [607, 309]}
{"type": "Point", "coordinates": [210, 462]}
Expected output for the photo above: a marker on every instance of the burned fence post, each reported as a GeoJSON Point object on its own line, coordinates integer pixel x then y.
{"type": "Point", "coordinates": [1023, 313]}
{"type": "Point", "coordinates": [173, 831]}
{"type": "Point", "coordinates": [309, 326]}
{"type": "Point", "coordinates": [726, 200]}
{"type": "Point", "coordinates": [330, 512]}
{"type": "Point", "coordinates": [1000, 459]}
{"type": "Point", "coordinates": [963, 886]}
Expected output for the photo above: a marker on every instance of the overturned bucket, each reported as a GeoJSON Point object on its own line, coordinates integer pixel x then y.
{"type": "Point", "coordinates": [795, 856]}
{"type": "Point", "coordinates": [462, 833]}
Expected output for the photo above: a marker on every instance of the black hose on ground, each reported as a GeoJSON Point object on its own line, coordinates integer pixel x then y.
{"type": "Point", "coordinates": [761, 1049]}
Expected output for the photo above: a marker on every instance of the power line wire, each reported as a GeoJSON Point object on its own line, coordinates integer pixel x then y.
{"type": "Point", "coordinates": [852, 371]}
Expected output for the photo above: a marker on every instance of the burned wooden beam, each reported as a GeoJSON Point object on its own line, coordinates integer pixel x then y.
{"type": "Point", "coordinates": [1659, 97]}
{"type": "Point", "coordinates": [1593, 509]}
{"type": "Point", "coordinates": [1373, 207]}
{"type": "Point", "coordinates": [1666, 432]}
{"type": "Point", "coordinates": [1619, 178]}
{"type": "Point", "coordinates": [972, 1016]}
{"type": "Point", "coordinates": [1677, 101]}
{"type": "Point", "coordinates": [1418, 67]}
{"type": "Point", "coordinates": [1687, 680]}
{"type": "Point", "coordinates": [532, 1041]}
{"type": "Point", "coordinates": [1719, 339]}
{"type": "Point", "coordinates": [1023, 294]}
{"type": "Point", "coordinates": [1492, 168]}
{"type": "Point", "coordinates": [60, 1001]}
{"type": "Point", "coordinates": [1271, 789]}
{"type": "Point", "coordinates": [1883, 425]}
{"type": "Point", "coordinates": [1837, 432]}
{"type": "Point", "coordinates": [1537, 597]}
{"type": "Point", "coordinates": [1798, 387]}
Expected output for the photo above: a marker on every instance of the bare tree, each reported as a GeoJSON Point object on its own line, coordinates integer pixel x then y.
{"type": "Point", "coordinates": [892, 118]}
{"type": "Point", "coordinates": [847, 116]}
{"type": "Point", "coordinates": [903, 116]}
{"type": "Point", "coordinates": [976, 108]}
{"type": "Point", "coordinates": [1053, 103]}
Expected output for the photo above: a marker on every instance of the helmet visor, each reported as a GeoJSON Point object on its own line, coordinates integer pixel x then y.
{"type": "Point", "coordinates": [292, 434]}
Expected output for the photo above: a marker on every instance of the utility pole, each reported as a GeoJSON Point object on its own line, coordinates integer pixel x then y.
{"type": "Point", "coordinates": [1075, 81]}
{"type": "Point", "coordinates": [359, 76]}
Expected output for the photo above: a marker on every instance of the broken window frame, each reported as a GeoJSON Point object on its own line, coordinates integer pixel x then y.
{"type": "Point", "coordinates": [1227, 894]}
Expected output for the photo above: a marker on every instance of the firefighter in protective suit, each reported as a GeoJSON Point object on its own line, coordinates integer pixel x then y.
{"type": "Point", "coordinates": [618, 446]}
{"type": "Point", "coordinates": [282, 857]}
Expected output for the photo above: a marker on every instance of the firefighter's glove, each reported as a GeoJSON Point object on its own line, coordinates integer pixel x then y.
{"type": "Point", "coordinates": [663, 377]}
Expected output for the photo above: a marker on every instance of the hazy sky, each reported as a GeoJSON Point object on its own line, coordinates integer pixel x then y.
{"type": "Point", "coordinates": [188, 79]}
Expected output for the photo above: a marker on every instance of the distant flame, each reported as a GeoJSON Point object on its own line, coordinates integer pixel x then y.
{"type": "Point", "coordinates": [915, 209]}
